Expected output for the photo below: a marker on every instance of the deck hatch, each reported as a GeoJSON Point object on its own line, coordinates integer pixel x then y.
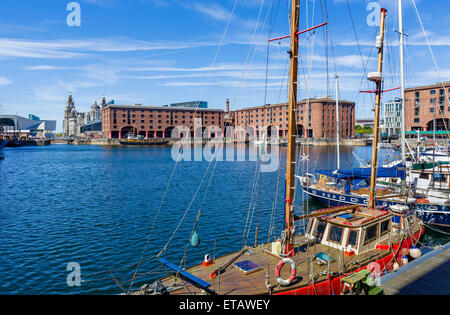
{"type": "Point", "coordinates": [323, 258]}
{"type": "Point", "coordinates": [247, 266]}
{"type": "Point", "coordinates": [349, 217]}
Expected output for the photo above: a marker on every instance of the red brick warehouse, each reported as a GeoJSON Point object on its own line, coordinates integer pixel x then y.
{"type": "Point", "coordinates": [154, 122]}
{"type": "Point", "coordinates": [315, 119]}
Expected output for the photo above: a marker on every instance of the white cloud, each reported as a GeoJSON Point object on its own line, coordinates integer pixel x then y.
{"type": "Point", "coordinates": [42, 68]}
{"type": "Point", "coordinates": [5, 81]}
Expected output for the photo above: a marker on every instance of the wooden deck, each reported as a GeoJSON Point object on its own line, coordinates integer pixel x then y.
{"type": "Point", "coordinates": [427, 275]}
{"type": "Point", "coordinates": [261, 280]}
{"type": "Point", "coordinates": [234, 282]}
{"type": "Point", "coordinates": [324, 184]}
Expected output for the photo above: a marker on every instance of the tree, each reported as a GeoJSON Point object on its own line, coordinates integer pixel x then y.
{"type": "Point", "coordinates": [363, 130]}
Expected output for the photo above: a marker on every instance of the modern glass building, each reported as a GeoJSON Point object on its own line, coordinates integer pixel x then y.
{"type": "Point", "coordinates": [194, 104]}
{"type": "Point", "coordinates": [392, 118]}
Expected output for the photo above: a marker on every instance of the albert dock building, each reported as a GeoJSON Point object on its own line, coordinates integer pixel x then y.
{"type": "Point", "coordinates": [316, 118]}
{"type": "Point", "coordinates": [423, 104]}
{"type": "Point", "coordinates": [156, 121]}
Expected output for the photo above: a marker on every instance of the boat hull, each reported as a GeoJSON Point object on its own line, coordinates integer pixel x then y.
{"type": "Point", "coordinates": [378, 267]}
{"type": "Point", "coordinates": [3, 144]}
{"type": "Point", "coordinates": [430, 213]}
{"type": "Point", "coordinates": [14, 144]}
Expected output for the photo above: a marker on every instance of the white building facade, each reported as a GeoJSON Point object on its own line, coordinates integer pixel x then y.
{"type": "Point", "coordinates": [73, 121]}
{"type": "Point", "coordinates": [392, 118]}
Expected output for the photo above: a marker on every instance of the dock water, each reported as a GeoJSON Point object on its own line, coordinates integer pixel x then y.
{"type": "Point", "coordinates": [426, 275]}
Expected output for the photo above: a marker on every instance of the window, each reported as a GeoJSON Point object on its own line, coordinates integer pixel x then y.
{"type": "Point", "coordinates": [310, 225]}
{"type": "Point", "coordinates": [335, 234]}
{"type": "Point", "coordinates": [371, 233]}
{"type": "Point", "coordinates": [417, 120]}
{"type": "Point", "coordinates": [384, 226]}
{"type": "Point", "coordinates": [352, 238]}
{"type": "Point", "coordinates": [319, 230]}
{"type": "Point", "coordinates": [433, 92]}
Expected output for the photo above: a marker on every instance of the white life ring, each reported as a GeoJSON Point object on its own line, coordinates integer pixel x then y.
{"type": "Point", "coordinates": [286, 282]}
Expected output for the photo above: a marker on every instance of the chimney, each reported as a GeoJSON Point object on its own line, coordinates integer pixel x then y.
{"type": "Point", "coordinates": [228, 105]}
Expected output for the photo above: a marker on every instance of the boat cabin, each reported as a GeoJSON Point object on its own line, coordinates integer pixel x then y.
{"type": "Point", "coordinates": [355, 231]}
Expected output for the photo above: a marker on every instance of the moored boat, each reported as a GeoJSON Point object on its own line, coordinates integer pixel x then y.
{"type": "Point", "coordinates": [338, 244]}
{"type": "Point", "coordinates": [133, 140]}
{"type": "Point", "coordinates": [338, 241]}
{"type": "Point", "coordinates": [3, 143]}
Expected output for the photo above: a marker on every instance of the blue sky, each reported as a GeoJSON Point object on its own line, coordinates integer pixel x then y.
{"type": "Point", "coordinates": [157, 52]}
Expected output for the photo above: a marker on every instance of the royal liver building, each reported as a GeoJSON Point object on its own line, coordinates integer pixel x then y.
{"type": "Point", "coordinates": [73, 121]}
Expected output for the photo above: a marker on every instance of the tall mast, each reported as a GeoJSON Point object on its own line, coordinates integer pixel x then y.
{"type": "Point", "coordinates": [338, 135]}
{"type": "Point", "coordinates": [379, 81]}
{"type": "Point", "coordinates": [434, 139]}
{"type": "Point", "coordinates": [290, 163]}
{"type": "Point", "coordinates": [402, 79]}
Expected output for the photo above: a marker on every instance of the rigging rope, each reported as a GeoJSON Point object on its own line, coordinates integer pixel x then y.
{"type": "Point", "coordinates": [176, 162]}
{"type": "Point", "coordinates": [435, 63]}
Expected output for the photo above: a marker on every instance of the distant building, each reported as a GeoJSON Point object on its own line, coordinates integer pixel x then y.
{"type": "Point", "coordinates": [424, 103]}
{"type": "Point", "coordinates": [32, 117]}
{"type": "Point", "coordinates": [194, 104]}
{"type": "Point", "coordinates": [15, 126]}
{"type": "Point", "coordinates": [74, 121]}
{"type": "Point", "coordinates": [316, 118]}
{"type": "Point", "coordinates": [392, 118]}
{"type": "Point", "coordinates": [155, 121]}
{"type": "Point", "coordinates": [365, 123]}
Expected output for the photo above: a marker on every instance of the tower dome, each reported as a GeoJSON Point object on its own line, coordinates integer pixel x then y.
{"type": "Point", "coordinates": [103, 102]}
{"type": "Point", "coordinates": [70, 103]}
{"type": "Point", "coordinates": [95, 106]}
